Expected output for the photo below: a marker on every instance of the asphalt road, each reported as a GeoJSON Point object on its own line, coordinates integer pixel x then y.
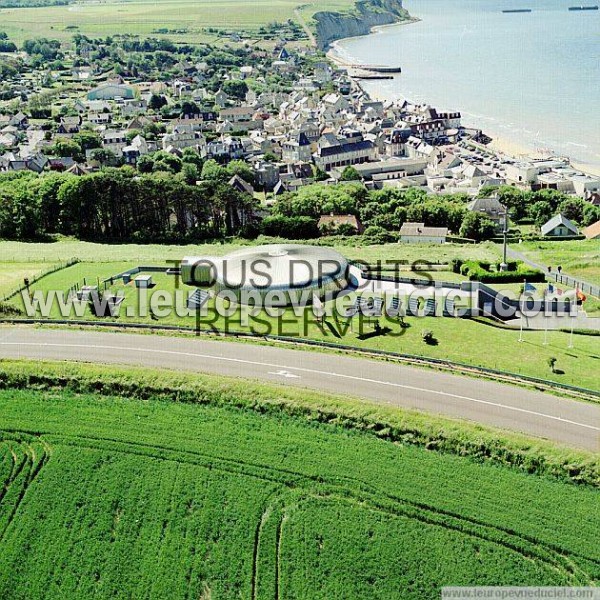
{"type": "Point", "coordinates": [542, 415]}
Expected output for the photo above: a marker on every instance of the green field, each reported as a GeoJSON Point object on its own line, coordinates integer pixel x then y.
{"type": "Point", "coordinates": [139, 253]}
{"type": "Point", "coordinates": [115, 497]}
{"type": "Point", "coordinates": [142, 17]}
{"type": "Point", "coordinates": [580, 258]}
{"type": "Point", "coordinates": [13, 273]}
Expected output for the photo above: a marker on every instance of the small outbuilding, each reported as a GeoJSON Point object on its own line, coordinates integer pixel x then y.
{"type": "Point", "coordinates": [143, 281]}
{"type": "Point", "coordinates": [418, 233]}
{"type": "Point", "coordinates": [593, 231]}
{"type": "Point", "coordinates": [559, 226]}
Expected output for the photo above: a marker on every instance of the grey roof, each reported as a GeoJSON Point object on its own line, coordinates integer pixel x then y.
{"type": "Point", "coordinates": [555, 222]}
{"type": "Point", "coordinates": [489, 205]}
{"type": "Point", "coordinates": [419, 229]}
{"type": "Point", "coordinates": [343, 148]}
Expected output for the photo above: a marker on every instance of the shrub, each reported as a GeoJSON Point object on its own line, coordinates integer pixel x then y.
{"type": "Point", "coordinates": [294, 228]}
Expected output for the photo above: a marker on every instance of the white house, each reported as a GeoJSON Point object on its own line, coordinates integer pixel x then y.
{"type": "Point", "coordinates": [418, 233]}
{"type": "Point", "coordinates": [559, 226]}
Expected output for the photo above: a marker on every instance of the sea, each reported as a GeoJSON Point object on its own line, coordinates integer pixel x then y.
{"type": "Point", "coordinates": [532, 79]}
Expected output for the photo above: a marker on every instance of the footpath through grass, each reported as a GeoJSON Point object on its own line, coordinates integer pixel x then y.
{"type": "Point", "coordinates": [578, 258]}
{"type": "Point", "coordinates": [249, 491]}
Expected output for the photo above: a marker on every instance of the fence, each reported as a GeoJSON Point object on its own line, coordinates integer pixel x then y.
{"type": "Point", "coordinates": [586, 288]}
{"type": "Point", "coordinates": [36, 278]}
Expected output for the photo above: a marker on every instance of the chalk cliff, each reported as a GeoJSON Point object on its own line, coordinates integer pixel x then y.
{"type": "Point", "coordinates": [331, 26]}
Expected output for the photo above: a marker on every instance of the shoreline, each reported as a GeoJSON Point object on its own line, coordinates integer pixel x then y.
{"type": "Point", "coordinates": [508, 146]}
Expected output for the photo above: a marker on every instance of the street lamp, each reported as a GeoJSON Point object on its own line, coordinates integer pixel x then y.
{"type": "Point", "coordinates": [504, 264]}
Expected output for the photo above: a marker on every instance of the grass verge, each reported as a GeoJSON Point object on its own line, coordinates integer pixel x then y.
{"type": "Point", "coordinates": [391, 424]}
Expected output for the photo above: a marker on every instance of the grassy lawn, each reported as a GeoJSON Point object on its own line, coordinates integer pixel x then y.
{"type": "Point", "coordinates": [458, 340]}
{"type": "Point", "coordinates": [142, 17]}
{"type": "Point", "coordinates": [13, 273]}
{"type": "Point", "coordinates": [579, 258]}
{"type": "Point", "coordinates": [138, 253]}
{"type": "Point", "coordinates": [121, 497]}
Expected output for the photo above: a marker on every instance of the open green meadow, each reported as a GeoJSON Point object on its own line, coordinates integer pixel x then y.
{"type": "Point", "coordinates": [157, 253]}
{"type": "Point", "coordinates": [579, 258]}
{"type": "Point", "coordinates": [13, 273]}
{"type": "Point", "coordinates": [144, 18]}
{"type": "Point", "coordinates": [108, 496]}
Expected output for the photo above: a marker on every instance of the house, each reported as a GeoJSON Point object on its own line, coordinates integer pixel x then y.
{"type": "Point", "coordinates": [183, 139]}
{"type": "Point", "coordinates": [559, 226]}
{"type": "Point", "coordinates": [334, 223]}
{"type": "Point", "coordinates": [241, 185]}
{"type": "Point", "coordinates": [296, 149]}
{"type": "Point", "coordinates": [221, 99]}
{"type": "Point", "coordinates": [69, 125]}
{"type": "Point", "coordinates": [418, 233]}
{"type": "Point", "coordinates": [20, 121]}
{"type": "Point", "coordinates": [491, 207]}
{"type": "Point", "coordinates": [78, 170]}
{"type": "Point", "coordinates": [99, 118]}
{"type": "Point", "coordinates": [63, 163]}
{"type": "Point", "coordinates": [266, 175]}
{"type": "Point", "coordinates": [110, 91]}
{"type": "Point", "coordinates": [593, 231]}
{"type": "Point", "coordinates": [343, 151]}
{"type": "Point", "coordinates": [137, 148]}
{"type": "Point", "coordinates": [224, 149]}
{"type": "Point", "coordinates": [237, 114]}
{"type": "Point", "coordinates": [114, 141]}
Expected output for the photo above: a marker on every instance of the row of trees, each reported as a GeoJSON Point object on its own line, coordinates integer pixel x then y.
{"type": "Point", "coordinates": [386, 210]}
{"type": "Point", "coordinates": [189, 198]}
{"type": "Point", "coordinates": [541, 205]}
{"type": "Point", "coordinates": [120, 205]}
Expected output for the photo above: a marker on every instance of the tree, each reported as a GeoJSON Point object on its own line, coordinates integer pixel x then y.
{"type": "Point", "coordinates": [156, 102]}
{"type": "Point", "coordinates": [190, 173]}
{"type": "Point", "coordinates": [541, 212]}
{"type": "Point", "coordinates": [350, 174]}
{"type": "Point", "coordinates": [293, 228]}
{"type": "Point", "coordinates": [572, 208]}
{"type": "Point", "coordinates": [88, 140]}
{"type": "Point", "coordinates": [145, 164]}
{"type": "Point", "coordinates": [212, 170]}
{"type": "Point", "coordinates": [66, 147]}
{"type": "Point", "coordinates": [164, 161]}
{"type": "Point", "coordinates": [477, 226]}
{"type": "Point", "coordinates": [235, 88]}
{"type": "Point", "coordinates": [104, 156]}
{"type": "Point", "coordinates": [241, 169]}
{"type": "Point", "coordinates": [552, 363]}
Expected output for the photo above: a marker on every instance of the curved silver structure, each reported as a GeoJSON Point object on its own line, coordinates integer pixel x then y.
{"type": "Point", "coordinates": [276, 274]}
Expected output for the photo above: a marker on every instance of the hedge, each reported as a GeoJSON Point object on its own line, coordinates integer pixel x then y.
{"type": "Point", "coordinates": [516, 273]}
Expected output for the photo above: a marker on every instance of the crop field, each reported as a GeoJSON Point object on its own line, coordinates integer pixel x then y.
{"type": "Point", "coordinates": [114, 497]}
{"type": "Point", "coordinates": [145, 17]}
{"type": "Point", "coordinates": [579, 258]}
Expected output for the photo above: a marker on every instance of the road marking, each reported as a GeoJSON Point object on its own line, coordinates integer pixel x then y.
{"type": "Point", "coordinates": [283, 373]}
{"type": "Point", "coordinates": [305, 370]}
